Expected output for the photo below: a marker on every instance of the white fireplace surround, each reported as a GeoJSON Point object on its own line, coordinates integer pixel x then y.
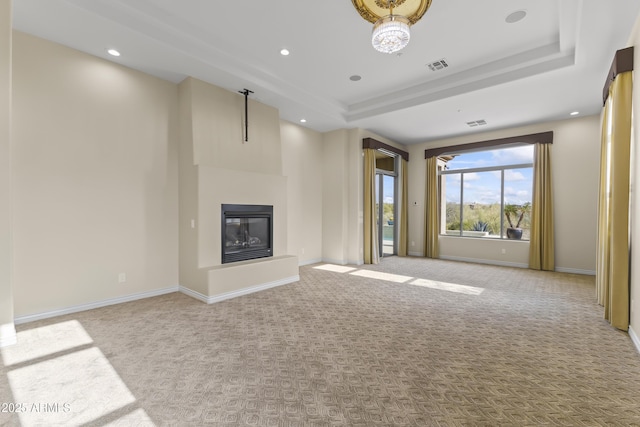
{"type": "Point", "coordinates": [219, 186]}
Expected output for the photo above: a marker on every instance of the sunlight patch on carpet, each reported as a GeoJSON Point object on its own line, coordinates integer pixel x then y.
{"type": "Point", "coordinates": [58, 376]}
{"type": "Point", "coordinates": [58, 337]}
{"type": "Point", "coordinates": [451, 287]}
{"type": "Point", "coordinates": [397, 278]}
{"type": "Point", "coordinates": [335, 268]}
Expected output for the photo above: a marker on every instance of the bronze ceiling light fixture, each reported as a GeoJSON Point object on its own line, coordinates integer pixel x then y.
{"type": "Point", "coordinates": [391, 31]}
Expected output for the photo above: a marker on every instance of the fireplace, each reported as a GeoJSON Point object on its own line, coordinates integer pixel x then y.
{"type": "Point", "coordinates": [247, 232]}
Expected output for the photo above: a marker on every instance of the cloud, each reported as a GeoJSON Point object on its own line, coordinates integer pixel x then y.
{"type": "Point", "coordinates": [512, 175]}
{"type": "Point", "coordinates": [514, 155]}
{"type": "Point", "coordinates": [496, 157]}
{"type": "Point", "coordinates": [517, 196]}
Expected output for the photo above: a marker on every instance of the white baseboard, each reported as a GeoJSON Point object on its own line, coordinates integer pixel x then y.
{"type": "Point", "coordinates": [634, 339]}
{"type": "Point", "coordinates": [92, 305]}
{"type": "Point", "coordinates": [309, 262]}
{"type": "Point", "coordinates": [8, 335]}
{"type": "Point", "coordinates": [233, 294]}
{"type": "Point", "coordinates": [485, 261]}
{"type": "Point", "coordinates": [342, 262]}
{"type": "Point", "coordinates": [576, 271]}
{"type": "Point", "coordinates": [506, 264]}
{"type": "Point", "coordinates": [334, 261]}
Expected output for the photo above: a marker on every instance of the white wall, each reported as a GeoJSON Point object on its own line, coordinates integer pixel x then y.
{"type": "Point", "coordinates": [95, 179]}
{"type": "Point", "coordinates": [634, 40]}
{"type": "Point", "coordinates": [7, 329]}
{"type": "Point", "coordinates": [302, 165]}
{"type": "Point", "coordinates": [575, 169]}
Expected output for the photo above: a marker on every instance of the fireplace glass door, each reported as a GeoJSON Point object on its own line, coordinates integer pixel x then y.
{"type": "Point", "coordinates": [247, 232]}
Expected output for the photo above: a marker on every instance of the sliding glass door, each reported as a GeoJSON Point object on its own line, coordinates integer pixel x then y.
{"type": "Point", "coordinates": [386, 212]}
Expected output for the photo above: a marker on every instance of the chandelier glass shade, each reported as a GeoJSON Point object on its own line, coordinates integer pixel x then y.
{"type": "Point", "coordinates": [391, 19]}
{"type": "Point", "coordinates": [391, 33]}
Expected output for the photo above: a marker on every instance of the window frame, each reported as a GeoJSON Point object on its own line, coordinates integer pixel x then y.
{"type": "Point", "coordinates": [442, 171]}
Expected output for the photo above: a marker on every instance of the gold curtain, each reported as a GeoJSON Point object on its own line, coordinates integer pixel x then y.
{"type": "Point", "coordinates": [404, 206]}
{"type": "Point", "coordinates": [371, 253]}
{"type": "Point", "coordinates": [432, 212]}
{"type": "Point", "coordinates": [602, 249]}
{"type": "Point", "coordinates": [612, 269]}
{"type": "Point", "coordinates": [541, 244]}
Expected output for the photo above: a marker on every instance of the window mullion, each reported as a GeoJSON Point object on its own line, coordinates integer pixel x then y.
{"type": "Point", "coordinates": [502, 204]}
{"type": "Point", "coordinates": [461, 201]}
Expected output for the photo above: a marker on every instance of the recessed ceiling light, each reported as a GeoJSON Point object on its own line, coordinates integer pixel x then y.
{"type": "Point", "coordinates": [355, 78]}
{"type": "Point", "coordinates": [284, 52]}
{"type": "Point", "coordinates": [575, 113]}
{"type": "Point", "coordinates": [113, 52]}
{"type": "Point", "coordinates": [516, 16]}
{"type": "Point", "coordinates": [303, 120]}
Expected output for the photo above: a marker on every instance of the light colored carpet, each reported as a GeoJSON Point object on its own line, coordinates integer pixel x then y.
{"type": "Point", "coordinates": [409, 342]}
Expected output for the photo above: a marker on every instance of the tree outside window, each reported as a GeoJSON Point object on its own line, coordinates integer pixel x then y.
{"type": "Point", "coordinates": [488, 193]}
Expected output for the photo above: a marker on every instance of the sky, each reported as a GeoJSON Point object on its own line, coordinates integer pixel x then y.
{"type": "Point", "coordinates": [387, 189]}
{"type": "Point", "coordinates": [484, 187]}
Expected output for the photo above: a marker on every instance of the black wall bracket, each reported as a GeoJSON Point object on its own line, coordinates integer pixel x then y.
{"type": "Point", "coordinates": [246, 93]}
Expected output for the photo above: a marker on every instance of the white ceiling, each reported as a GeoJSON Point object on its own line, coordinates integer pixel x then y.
{"type": "Point", "coordinates": [551, 63]}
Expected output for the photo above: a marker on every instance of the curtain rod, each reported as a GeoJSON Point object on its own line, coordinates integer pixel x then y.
{"type": "Point", "coordinates": [375, 144]}
{"type": "Point", "coordinates": [622, 62]}
{"type": "Point", "coordinates": [534, 138]}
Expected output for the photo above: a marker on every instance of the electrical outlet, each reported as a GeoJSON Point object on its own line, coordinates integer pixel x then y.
{"type": "Point", "coordinates": [504, 251]}
{"type": "Point", "coordinates": [413, 243]}
{"type": "Point", "coordinates": [122, 277]}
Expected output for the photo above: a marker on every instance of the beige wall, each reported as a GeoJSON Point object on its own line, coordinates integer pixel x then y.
{"type": "Point", "coordinates": [342, 217]}
{"type": "Point", "coordinates": [335, 167]}
{"type": "Point", "coordinates": [302, 165]}
{"type": "Point", "coordinates": [96, 182]}
{"type": "Point", "coordinates": [218, 131]}
{"type": "Point", "coordinates": [217, 186]}
{"type": "Point", "coordinates": [354, 248]}
{"type": "Point", "coordinates": [95, 175]}
{"type": "Point", "coordinates": [342, 208]}
{"type": "Point", "coordinates": [191, 276]}
{"type": "Point", "coordinates": [576, 153]}
{"type": "Point", "coordinates": [634, 40]}
{"type": "Point", "coordinates": [219, 167]}
{"type": "Point", "coordinates": [7, 330]}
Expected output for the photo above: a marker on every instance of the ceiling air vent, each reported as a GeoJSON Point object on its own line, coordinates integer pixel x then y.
{"type": "Point", "coordinates": [438, 65]}
{"type": "Point", "coordinates": [476, 123]}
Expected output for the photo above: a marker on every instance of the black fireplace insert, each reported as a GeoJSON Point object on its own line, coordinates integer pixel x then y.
{"type": "Point", "coordinates": [247, 232]}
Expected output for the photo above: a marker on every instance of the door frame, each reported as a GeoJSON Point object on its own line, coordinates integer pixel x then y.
{"type": "Point", "coordinates": [380, 173]}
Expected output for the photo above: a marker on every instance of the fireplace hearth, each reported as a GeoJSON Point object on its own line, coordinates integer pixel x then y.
{"type": "Point", "coordinates": [247, 232]}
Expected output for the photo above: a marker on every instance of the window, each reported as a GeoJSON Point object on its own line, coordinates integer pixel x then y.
{"type": "Point", "coordinates": [487, 193]}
